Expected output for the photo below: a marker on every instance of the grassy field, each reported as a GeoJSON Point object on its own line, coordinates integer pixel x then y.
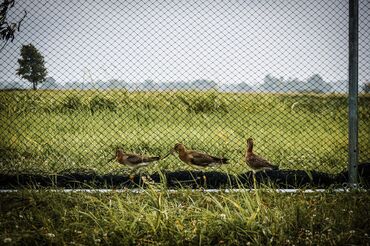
{"type": "Point", "coordinates": [161, 217]}
{"type": "Point", "coordinates": [53, 131]}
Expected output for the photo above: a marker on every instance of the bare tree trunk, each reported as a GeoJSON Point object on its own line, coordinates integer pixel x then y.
{"type": "Point", "coordinates": [34, 86]}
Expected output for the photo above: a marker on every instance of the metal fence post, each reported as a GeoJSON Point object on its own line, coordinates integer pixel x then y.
{"type": "Point", "coordinates": [353, 92]}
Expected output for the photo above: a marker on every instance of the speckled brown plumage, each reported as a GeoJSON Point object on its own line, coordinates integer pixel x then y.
{"type": "Point", "coordinates": [196, 158]}
{"type": "Point", "coordinates": [256, 162]}
{"type": "Point", "coordinates": [133, 161]}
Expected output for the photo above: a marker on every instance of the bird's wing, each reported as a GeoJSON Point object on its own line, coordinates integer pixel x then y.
{"type": "Point", "coordinates": [201, 159]}
{"type": "Point", "coordinates": [137, 159]}
{"type": "Point", "coordinates": [259, 162]}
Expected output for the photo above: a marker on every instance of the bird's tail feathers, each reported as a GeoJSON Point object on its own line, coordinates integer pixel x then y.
{"type": "Point", "coordinates": [153, 158]}
{"type": "Point", "coordinates": [222, 160]}
{"type": "Point", "coordinates": [274, 167]}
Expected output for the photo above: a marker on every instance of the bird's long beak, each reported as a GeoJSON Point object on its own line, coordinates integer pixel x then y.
{"type": "Point", "coordinates": [111, 159]}
{"type": "Point", "coordinates": [171, 152]}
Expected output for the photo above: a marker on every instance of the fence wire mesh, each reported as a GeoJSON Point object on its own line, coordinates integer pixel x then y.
{"type": "Point", "coordinates": [83, 78]}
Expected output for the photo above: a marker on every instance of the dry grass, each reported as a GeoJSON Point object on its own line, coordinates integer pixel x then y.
{"type": "Point", "coordinates": [184, 218]}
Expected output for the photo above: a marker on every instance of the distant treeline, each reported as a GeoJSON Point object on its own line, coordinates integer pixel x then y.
{"type": "Point", "coordinates": [314, 83]}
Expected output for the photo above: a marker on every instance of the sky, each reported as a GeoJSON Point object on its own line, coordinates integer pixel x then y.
{"type": "Point", "coordinates": [230, 41]}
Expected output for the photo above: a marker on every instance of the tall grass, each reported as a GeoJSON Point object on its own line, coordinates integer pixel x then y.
{"type": "Point", "coordinates": [184, 218]}
{"type": "Point", "coordinates": [51, 131]}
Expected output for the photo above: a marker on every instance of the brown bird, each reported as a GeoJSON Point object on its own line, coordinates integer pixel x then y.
{"type": "Point", "coordinates": [196, 158]}
{"type": "Point", "coordinates": [257, 163]}
{"type": "Point", "coordinates": [133, 161]}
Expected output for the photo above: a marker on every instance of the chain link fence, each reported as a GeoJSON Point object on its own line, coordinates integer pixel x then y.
{"type": "Point", "coordinates": [145, 75]}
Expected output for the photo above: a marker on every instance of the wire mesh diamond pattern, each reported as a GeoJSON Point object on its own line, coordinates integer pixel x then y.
{"type": "Point", "coordinates": [144, 75]}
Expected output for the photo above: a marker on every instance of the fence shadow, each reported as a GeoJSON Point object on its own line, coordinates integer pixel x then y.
{"type": "Point", "coordinates": [283, 179]}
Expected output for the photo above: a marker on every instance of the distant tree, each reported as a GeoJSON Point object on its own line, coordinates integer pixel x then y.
{"type": "Point", "coordinates": [273, 84]}
{"type": "Point", "coordinates": [31, 65]}
{"type": "Point", "coordinates": [148, 85]}
{"type": "Point", "coordinates": [50, 83]}
{"type": "Point", "coordinates": [295, 85]}
{"type": "Point", "coordinates": [243, 87]}
{"type": "Point", "coordinates": [117, 84]}
{"type": "Point", "coordinates": [268, 83]}
{"type": "Point", "coordinates": [316, 83]}
{"type": "Point", "coordinates": [366, 87]}
{"type": "Point", "coordinates": [7, 29]}
{"type": "Point", "coordinates": [203, 84]}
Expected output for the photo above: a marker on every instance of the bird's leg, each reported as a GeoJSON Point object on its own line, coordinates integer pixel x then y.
{"type": "Point", "coordinates": [254, 180]}
{"type": "Point", "coordinates": [140, 178]}
{"type": "Point", "coordinates": [204, 179]}
{"type": "Point", "coordinates": [131, 174]}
